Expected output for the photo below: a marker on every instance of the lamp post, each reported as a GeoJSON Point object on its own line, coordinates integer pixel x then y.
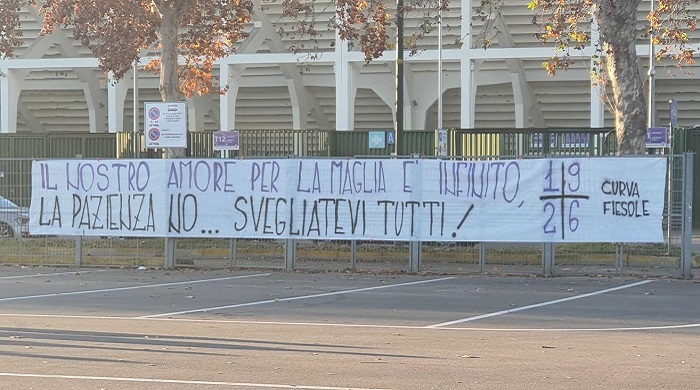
{"type": "Point", "coordinates": [652, 72]}
{"type": "Point", "coordinates": [137, 148]}
{"type": "Point", "coordinates": [439, 83]}
{"type": "Point", "coordinates": [399, 79]}
{"type": "Point", "coordinates": [399, 142]}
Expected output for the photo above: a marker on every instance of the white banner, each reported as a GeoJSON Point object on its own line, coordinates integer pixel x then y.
{"type": "Point", "coordinates": [543, 200]}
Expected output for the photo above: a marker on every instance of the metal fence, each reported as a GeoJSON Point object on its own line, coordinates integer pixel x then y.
{"type": "Point", "coordinates": [672, 258]}
{"type": "Point", "coordinates": [481, 143]}
{"type": "Point", "coordinates": [283, 143]}
{"type": "Point", "coordinates": [58, 145]}
{"type": "Point", "coordinates": [478, 143]}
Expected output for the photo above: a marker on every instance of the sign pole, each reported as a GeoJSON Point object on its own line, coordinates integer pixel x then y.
{"type": "Point", "coordinates": [165, 126]}
{"type": "Point", "coordinates": [170, 245]}
{"type": "Point", "coordinates": [674, 120]}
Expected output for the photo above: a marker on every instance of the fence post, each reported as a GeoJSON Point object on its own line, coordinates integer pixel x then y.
{"type": "Point", "coordinates": [170, 248]}
{"type": "Point", "coordinates": [414, 252]}
{"type": "Point", "coordinates": [290, 254]}
{"type": "Point", "coordinates": [332, 147]}
{"type": "Point", "coordinates": [232, 252]}
{"type": "Point", "coordinates": [687, 212]}
{"type": "Point", "coordinates": [353, 255]}
{"type": "Point", "coordinates": [482, 257]}
{"type": "Point", "coordinates": [79, 239]}
{"type": "Point", "coordinates": [547, 258]}
{"type": "Point", "coordinates": [78, 251]}
{"type": "Point", "coordinates": [546, 149]}
{"type": "Point", "coordinates": [619, 255]}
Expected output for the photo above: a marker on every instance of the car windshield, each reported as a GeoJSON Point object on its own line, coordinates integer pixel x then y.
{"type": "Point", "coordinates": [6, 203]}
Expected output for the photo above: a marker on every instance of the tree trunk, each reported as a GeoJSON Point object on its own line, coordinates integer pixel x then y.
{"type": "Point", "coordinates": [169, 75]}
{"type": "Point", "coordinates": [617, 21]}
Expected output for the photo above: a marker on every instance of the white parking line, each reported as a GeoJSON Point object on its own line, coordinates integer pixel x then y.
{"type": "Point", "coordinates": [337, 325]}
{"type": "Point", "coordinates": [50, 274]}
{"type": "Point", "coordinates": [126, 288]}
{"type": "Point", "coordinates": [182, 382]}
{"type": "Point", "coordinates": [294, 298]}
{"type": "Point", "coordinates": [517, 309]}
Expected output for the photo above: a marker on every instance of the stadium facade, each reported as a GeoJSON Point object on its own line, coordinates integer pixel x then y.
{"type": "Point", "coordinates": [55, 85]}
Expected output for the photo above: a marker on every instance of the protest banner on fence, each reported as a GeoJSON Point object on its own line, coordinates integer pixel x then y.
{"type": "Point", "coordinates": [539, 200]}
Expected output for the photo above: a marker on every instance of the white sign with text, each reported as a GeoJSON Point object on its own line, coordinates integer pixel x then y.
{"type": "Point", "coordinates": [166, 124]}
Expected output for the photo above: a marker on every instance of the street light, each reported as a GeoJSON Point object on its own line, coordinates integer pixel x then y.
{"type": "Point", "coordinates": [652, 72]}
{"type": "Point", "coordinates": [137, 149]}
{"type": "Point", "coordinates": [399, 79]}
{"type": "Point", "coordinates": [439, 124]}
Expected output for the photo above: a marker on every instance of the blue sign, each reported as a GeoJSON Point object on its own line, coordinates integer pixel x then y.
{"type": "Point", "coordinates": [226, 140]}
{"type": "Point", "coordinates": [377, 140]}
{"type": "Point", "coordinates": [657, 137]}
{"type": "Point", "coordinates": [390, 138]}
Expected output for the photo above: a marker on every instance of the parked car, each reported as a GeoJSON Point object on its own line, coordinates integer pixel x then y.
{"type": "Point", "coordinates": [14, 220]}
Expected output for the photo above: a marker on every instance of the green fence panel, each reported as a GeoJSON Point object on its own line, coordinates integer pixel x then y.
{"type": "Point", "coordinates": [100, 147]}
{"type": "Point", "coordinates": [6, 146]}
{"type": "Point", "coordinates": [421, 142]}
{"type": "Point", "coordinates": [64, 147]}
{"type": "Point", "coordinates": [58, 145]}
{"type": "Point", "coordinates": [16, 180]}
{"type": "Point", "coordinates": [356, 143]}
{"type": "Point", "coordinates": [26, 147]}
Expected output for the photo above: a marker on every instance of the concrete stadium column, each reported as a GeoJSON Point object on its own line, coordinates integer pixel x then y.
{"type": "Point", "coordinates": [95, 99]}
{"type": "Point", "coordinates": [385, 91]}
{"type": "Point", "coordinates": [426, 95]}
{"type": "Point", "coordinates": [345, 87]}
{"type": "Point", "coordinates": [299, 107]}
{"type": "Point", "coordinates": [116, 94]}
{"type": "Point", "coordinates": [467, 85]}
{"type": "Point", "coordinates": [11, 82]}
{"type": "Point", "coordinates": [520, 105]}
{"type": "Point", "coordinates": [229, 75]}
{"type": "Point", "coordinates": [196, 110]}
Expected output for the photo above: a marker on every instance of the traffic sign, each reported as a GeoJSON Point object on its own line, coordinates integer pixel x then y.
{"type": "Point", "coordinates": [166, 124]}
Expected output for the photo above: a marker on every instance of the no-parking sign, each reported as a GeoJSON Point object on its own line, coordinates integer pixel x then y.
{"type": "Point", "coordinates": [166, 125]}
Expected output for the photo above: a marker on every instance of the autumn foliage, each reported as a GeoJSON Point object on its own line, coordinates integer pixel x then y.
{"type": "Point", "coordinates": [118, 32]}
{"type": "Point", "coordinates": [566, 23]}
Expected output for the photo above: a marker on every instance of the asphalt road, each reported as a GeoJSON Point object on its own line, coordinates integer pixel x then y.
{"type": "Point", "coordinates": [129, 329]}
